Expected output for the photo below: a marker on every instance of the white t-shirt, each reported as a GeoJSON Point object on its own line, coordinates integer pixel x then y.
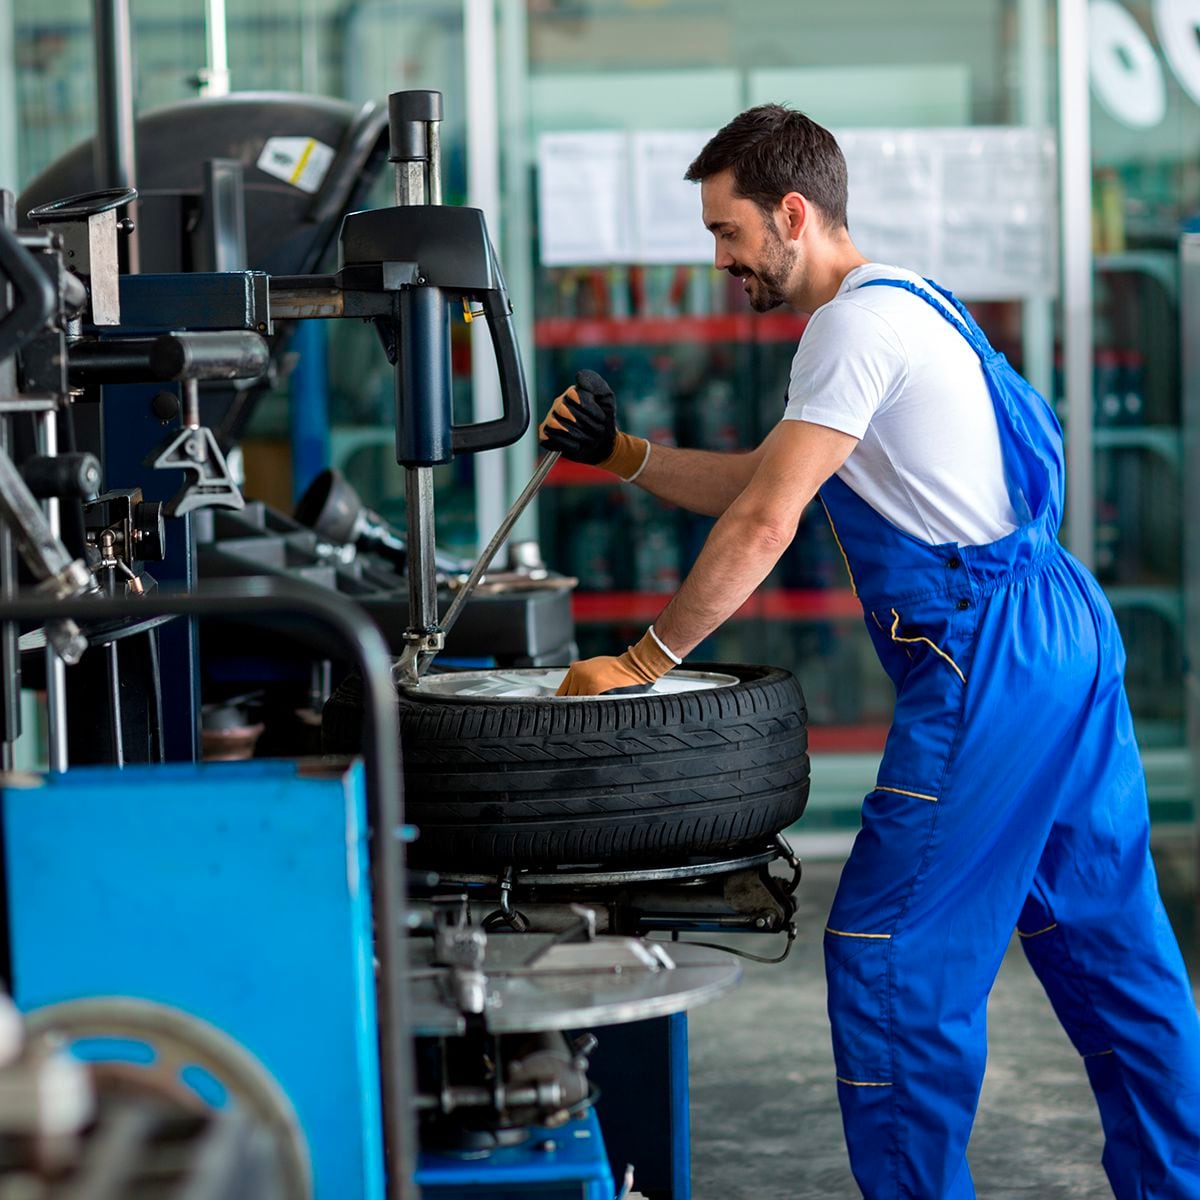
{"type": "Point", "coordinates": [880, 364]}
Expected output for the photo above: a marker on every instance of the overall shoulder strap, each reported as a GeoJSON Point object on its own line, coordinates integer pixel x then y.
{"type": "Point", "coordinates": [964, 322]}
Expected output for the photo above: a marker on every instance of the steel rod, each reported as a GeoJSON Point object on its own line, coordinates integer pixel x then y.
{"type": "Point", "coordinates": [191, 403]}
{"type": "Point", "coordinates": [115, 146]}
{"type": "Point", "coordinates": [410, 183]}
{"type": "Point", "coordinates": [422, 567]}
{"type": "Point", "coordinates": [56, 669]}
{"type": "Point", "coordinates": [112, 669]}
{"type": "Point", "coordinates": [171, 356]}
{"type": "Point", "coordinates": [489, 551]}
{"type": "Point", "coordinates": [289, 304]}
{"type": "Point", "coordinates": [433, 184]}
{"type": "Point", "coordinates": [215, 78]}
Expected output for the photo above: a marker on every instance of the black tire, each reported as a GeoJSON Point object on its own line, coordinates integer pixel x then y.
{"type": "Point", "coordinates": [646, 778]}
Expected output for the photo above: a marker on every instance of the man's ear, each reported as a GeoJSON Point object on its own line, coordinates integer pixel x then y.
{"type": "Point", "coordinates": [797, 213]}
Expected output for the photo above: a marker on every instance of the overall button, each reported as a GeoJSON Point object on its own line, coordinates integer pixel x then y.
{"type": "Point", "coordinates": [954, 563]}
{"type": "Point", "coordinates": [963, 604]}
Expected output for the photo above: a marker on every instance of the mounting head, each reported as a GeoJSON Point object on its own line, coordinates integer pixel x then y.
{"type": "Point", "coordinates": [409, 115]}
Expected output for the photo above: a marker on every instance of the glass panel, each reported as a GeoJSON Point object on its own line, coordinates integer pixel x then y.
{"type": "Point", "coordinates": [1146, 191]}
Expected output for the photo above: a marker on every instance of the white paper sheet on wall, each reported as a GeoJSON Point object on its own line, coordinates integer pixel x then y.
{"type": "Point", "coordinates": [583, 198]}
{"type": "Point", "coordinates": [666, 208]}
{"type": "Point", "coordinates": [972, 208]}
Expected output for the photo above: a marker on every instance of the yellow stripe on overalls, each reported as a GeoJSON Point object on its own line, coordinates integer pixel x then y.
{"type": "Point", "coordinates": [933, 645]}
{"type": "Point", "coordinates": [845, 558]}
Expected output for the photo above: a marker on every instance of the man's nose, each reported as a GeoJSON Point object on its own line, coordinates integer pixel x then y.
{"type": "Point", "coordinates": [722, 259]}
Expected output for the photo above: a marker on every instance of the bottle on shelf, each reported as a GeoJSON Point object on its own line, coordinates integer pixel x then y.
{"type": "Point", "coordinates": [1106, 387]}
{"type": "Point", "coordinates": [590, 538]}
{"type": "Point", "coordinates": [654, 544]}
{"type": "Point", "coordinates": [1133, 387]}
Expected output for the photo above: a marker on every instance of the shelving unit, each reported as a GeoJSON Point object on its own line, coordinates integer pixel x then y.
{"type": "Point", "coordinates": [767, 604]}
{"type": "Point", "coordinates": [559, 332]}
{"type": "Point", "coordinates": [1164, 440]}
{"type": "Point", "coordinates": [1139, 471]}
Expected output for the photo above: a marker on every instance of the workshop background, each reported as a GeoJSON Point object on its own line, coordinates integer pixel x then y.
{"type": "Point", "coordinates": [1080, 122]}
{"type": "Point", "coordinates": [684, 355]}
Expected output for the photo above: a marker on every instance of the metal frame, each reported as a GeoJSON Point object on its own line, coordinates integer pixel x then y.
{"type": "Point", "coordinates": [1037, 327]}
{"type": "Point", "coordinates": [483, 191]}
{"type": "Point", "coordinates": [381, 753]}
{"type": "Point", "coordinates": [513, 107]}
{"type": "Point", "coordinates": [214, 79]}
{"type": "Point", "coordinates": [1075, 190]}
{"type": "Point", "coordinates": [9, 126]}
{"type": "Point", "coordinates": [115, 147]}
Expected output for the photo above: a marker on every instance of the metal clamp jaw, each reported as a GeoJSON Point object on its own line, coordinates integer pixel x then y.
{"type": "Point", "coordinates": [420, 648]}
{"type": "Point", "coordinates": [193, 449]}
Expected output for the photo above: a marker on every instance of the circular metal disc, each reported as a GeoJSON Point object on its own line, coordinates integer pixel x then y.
{"type": "Point", "coordinates": [178, 1041]}
{"type": "Point", "coordinates": [98, 633]}
{"type": "Point", "coordinates": [541, 683]}
{"type": "Point", "coordinates": [540, 1000]}
{"type": "Point", "coordinates": [598, 876]}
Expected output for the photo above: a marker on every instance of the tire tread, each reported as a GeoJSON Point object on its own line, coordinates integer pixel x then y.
{"type": "Point", "coordinates": [543, 783]}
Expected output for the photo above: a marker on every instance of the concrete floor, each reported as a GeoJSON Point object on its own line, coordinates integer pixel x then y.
{"type": "Point", "coordinates": [765, 1122]}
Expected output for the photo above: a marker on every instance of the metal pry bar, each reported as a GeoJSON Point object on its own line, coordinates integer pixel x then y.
{"type": "Point", "coordinates": [414, 661]}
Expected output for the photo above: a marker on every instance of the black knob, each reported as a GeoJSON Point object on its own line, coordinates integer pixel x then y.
{"type": "Point", "coordinates": [62, 475]}
{"type": "Point", "coordinates": [165, 406]}
{"type": "Point", "coordinates": [409, 113]}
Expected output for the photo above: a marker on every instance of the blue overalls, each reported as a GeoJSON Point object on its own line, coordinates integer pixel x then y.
{"type": "Point", "coordinates": [1010, 793]}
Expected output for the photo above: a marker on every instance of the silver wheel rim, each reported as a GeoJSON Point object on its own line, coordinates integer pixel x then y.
{"type": "Point", "coordinates": [178, 1041]}
{"type": "Point", "coordinates": [505, 685]}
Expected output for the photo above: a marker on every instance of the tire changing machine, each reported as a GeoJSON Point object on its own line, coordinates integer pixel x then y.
{"type": "Point", "coordinates": [269, 899]}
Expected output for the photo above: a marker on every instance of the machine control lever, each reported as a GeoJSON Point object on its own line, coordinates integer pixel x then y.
{"type": "Point", "coordinates": [232, 354]}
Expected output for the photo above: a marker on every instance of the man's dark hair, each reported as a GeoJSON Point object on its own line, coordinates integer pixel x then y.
{"type": "Point", "coordinates": [773, 150]}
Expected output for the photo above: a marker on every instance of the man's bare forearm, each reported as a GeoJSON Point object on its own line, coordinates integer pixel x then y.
{"type": "Point", "coordinates": [699, 480]}
{"type": "Point", "coordinates": [753, 532]}
{"type": "Point", "coordinates": [737, 557]}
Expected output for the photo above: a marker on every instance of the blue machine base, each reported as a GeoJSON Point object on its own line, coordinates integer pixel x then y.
{"type": "Point", "coordinates": [238, 892]}
{"type": "Point", "coordinates": [566, 1163]}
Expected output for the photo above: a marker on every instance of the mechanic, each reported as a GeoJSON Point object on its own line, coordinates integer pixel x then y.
{"type": "Point", "coordinates": [1011, 791]}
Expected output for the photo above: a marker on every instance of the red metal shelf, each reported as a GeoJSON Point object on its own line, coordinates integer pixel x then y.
{"type": "Point", "coordinates": [556, 332]}
{"type": "Point", "coordinates": [774, 604]}
{"type": "Point", "coordinates": [570, 474]}
{"type": "Point", "coordinates": [846, 739]}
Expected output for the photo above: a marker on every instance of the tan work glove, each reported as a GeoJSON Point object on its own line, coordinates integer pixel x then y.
{"type": "Point", "coordinates": [582, 426]}
{"type": "Point", "coordinates": [634, 671]}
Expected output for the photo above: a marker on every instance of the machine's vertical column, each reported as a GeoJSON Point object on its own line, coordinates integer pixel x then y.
{"type": "Point", "coordinates": [115, 147]}
{"type": "Point", "coordinates": [423, 391]}
{"type": "Point", "coordinates": [10, 658]}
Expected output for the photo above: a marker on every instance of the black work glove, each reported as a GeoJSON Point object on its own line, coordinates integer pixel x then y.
{"type": "Point", "coordinates": [582, 422]}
